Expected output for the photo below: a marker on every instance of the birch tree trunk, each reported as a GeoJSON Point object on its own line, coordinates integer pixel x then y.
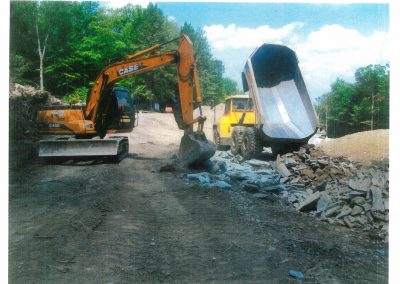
{"type": "Point", "coordinates": [41, 54]}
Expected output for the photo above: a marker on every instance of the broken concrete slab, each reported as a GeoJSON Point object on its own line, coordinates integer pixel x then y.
{"type": "Point", "coordinates": [366, 206]}
{"type": "Point", "coordinates": [356, 210]}
{"type": "Point", "coordinates": [310, 203]}
{"type": "Point", "coordinates": [360, 184]}
{"type": "Point", "coordinates": [358, 200]}
{"type": "Point", "coordinates": [332, 211]}
{"type": "Point", "coordinates": [346, 210]}
{"type": "Point", "coordinates": [258, 163]}
{"type": "Point", "coordinates": [281, 168]}
{"type": "Point", "coordinates": [324, 201]}
{"type": "Point", "coordinates": [222, 185]}
{"type": "Point", "coordinates": [377, 202]}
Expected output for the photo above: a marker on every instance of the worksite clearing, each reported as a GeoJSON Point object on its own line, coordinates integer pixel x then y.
{"type": "Point", "coordinates": [146, 220]}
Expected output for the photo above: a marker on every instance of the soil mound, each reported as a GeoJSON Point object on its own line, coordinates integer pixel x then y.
{"type": "Point", "coordinates": [364, 147]}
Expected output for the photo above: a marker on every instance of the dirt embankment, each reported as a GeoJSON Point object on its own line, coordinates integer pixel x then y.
{"type": "Point", "coordinates": [364, 147]}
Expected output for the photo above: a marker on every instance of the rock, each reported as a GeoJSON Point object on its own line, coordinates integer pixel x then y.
{"type": "Point", "coordinates": [258, 163]}
{"type": "Point", "coordinates": [322, 186]}
{"type": "Point", "coordinates": [377, 202]}
{"type": "Point", "coordinates": [250, 188]}
{"type": "Point", "coordinates": [283, 180]}
{"type": "Point", "coordinates": [323, 162]}
{"type": "Point", "coordinates": [386, 203]}
{"type": "Point", "coordinates": [356, 210]}
{"type": "Point", "coordinates": [346, 171]}
{"type": "Point", "coordinates": [264, 172]}
{"type": "Point", "coordinates": [358, 200]}
{"type": "Point", "coordinates": [366, 206]}
{"type": "Point", "coordinates": [332, 211]}
{"type": "Point", "coordinates": [309, 191]}
{"type": "Point", "coordinates": [296, 274]}
{"type": "Point", "coordinates": [346, 210]}
{"type": "Point", "coordinates": [362, 220]}
{"type": "Point", "coordinates": [369, 217]}
{"type": "Point", "coordinates": [348, 222]}
{"type": "Point", "coordinates": [272, 189]}
{"type": "Point", "coordinates": [379, 216]}
{"type": "Point", "coordinates": [323, 202]}
{"type": "Point", "coordinates": [222, 185]}
{"type": "Point", "coordinates": [265, 180]}
{"type": "Point", "coordinates": [260, 195]}
{"type": "Point", "coordinates": [281, 168]}
{"type": "Point", "coordinates": [360, 185]}
{"type": "Point", "coordinates": [310, 203]}
{"type": "Point", "coordinates": [203, 178]}
{"type": "Point", "coordinates": [290, 162]}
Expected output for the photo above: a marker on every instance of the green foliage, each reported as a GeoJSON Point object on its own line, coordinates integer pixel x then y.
{"type": "Point", "coordinates": [210, 70]}
{"type": "Point", "coordinates": [230, 87]}
{"type": "Point", "coordinates": [79, 94]}
{"type": "Point", "coordinates": [84, 37]}
{"type": "Point", "coordinates": [19, 66]}
{"type": "Point", "coordinates": [363, 105]}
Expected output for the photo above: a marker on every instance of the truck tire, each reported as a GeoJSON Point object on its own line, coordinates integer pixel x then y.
{"type": "Point", "coordinates": [236, 139]}
{"type": "Point", "coordinates": [251, 144]}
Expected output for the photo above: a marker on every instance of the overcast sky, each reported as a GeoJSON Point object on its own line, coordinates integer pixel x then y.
{"type": "Point", "coordinates": [331, 40]}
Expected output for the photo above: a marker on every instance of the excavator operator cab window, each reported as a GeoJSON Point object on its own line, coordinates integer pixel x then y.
{"type": "Point", "coordinates": [122, 110]}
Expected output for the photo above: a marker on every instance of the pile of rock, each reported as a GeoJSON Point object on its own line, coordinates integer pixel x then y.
{"type": "Point", "coordinates": [335, 190]}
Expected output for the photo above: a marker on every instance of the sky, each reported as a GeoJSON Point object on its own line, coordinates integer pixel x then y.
{"type": "Point", "coordinates": [331, 40]}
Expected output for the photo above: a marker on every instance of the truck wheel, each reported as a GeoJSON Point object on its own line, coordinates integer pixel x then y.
{"type": "Point", "coordinates": [217, 140]}
{"type": "Point", "coordinates": [236, 139]}
{"type": "Point", "coordinates": [251, 144]}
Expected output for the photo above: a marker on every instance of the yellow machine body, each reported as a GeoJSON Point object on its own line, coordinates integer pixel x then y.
{"type": "Point", "coordinates": [236, 108]}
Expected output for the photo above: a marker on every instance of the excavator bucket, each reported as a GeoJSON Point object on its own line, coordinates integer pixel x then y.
{"type": "Point", "coordinates": [195, 148]}
{"type": "Point", "coordinates": [114, 147]}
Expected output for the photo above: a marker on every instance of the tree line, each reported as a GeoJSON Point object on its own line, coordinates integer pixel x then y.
{"type": "Point", "coordinates": [62, 46]}
{"type": "Point", "coordinates": [359, 106]}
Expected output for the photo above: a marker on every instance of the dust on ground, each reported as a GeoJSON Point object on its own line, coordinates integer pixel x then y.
{"type": "Point", "coordinates": [96, 221]}
{"type": "Point", "coordinates": [364, 147]}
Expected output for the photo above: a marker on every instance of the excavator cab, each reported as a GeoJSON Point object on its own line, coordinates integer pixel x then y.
{"type": "Point", "coordinates": [122, 111]}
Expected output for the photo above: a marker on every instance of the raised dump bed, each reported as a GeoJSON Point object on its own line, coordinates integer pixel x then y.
{"type": "Point", "coordinates": [283, 109]}
{"type": "Point", "coordinates": [282, 104]}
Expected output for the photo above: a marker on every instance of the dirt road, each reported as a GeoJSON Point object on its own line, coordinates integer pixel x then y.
{"type": "Point", "coordinates": [84, 222]}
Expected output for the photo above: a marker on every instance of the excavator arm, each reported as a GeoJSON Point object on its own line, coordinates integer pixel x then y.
{"type": "Point", "coordinates": [142, 62]}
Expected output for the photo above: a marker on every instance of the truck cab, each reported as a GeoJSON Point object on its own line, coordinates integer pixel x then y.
{"type": "Point", "coordinates": [235, 107]}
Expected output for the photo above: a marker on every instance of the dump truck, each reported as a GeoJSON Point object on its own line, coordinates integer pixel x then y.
{"type": "Point", "coordinates": [82, 132]}
{"type": "Point", "coordinates": [235, 106]}
{"type": "Point", "coordinates": [285, 117]}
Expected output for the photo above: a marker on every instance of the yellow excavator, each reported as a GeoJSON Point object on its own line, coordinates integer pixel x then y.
{"type": "Point", "coordinates": [79, 132]}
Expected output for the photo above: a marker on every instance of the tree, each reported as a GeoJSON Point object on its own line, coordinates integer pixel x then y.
{"type": "Point", "coordinates": [363, 105]}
